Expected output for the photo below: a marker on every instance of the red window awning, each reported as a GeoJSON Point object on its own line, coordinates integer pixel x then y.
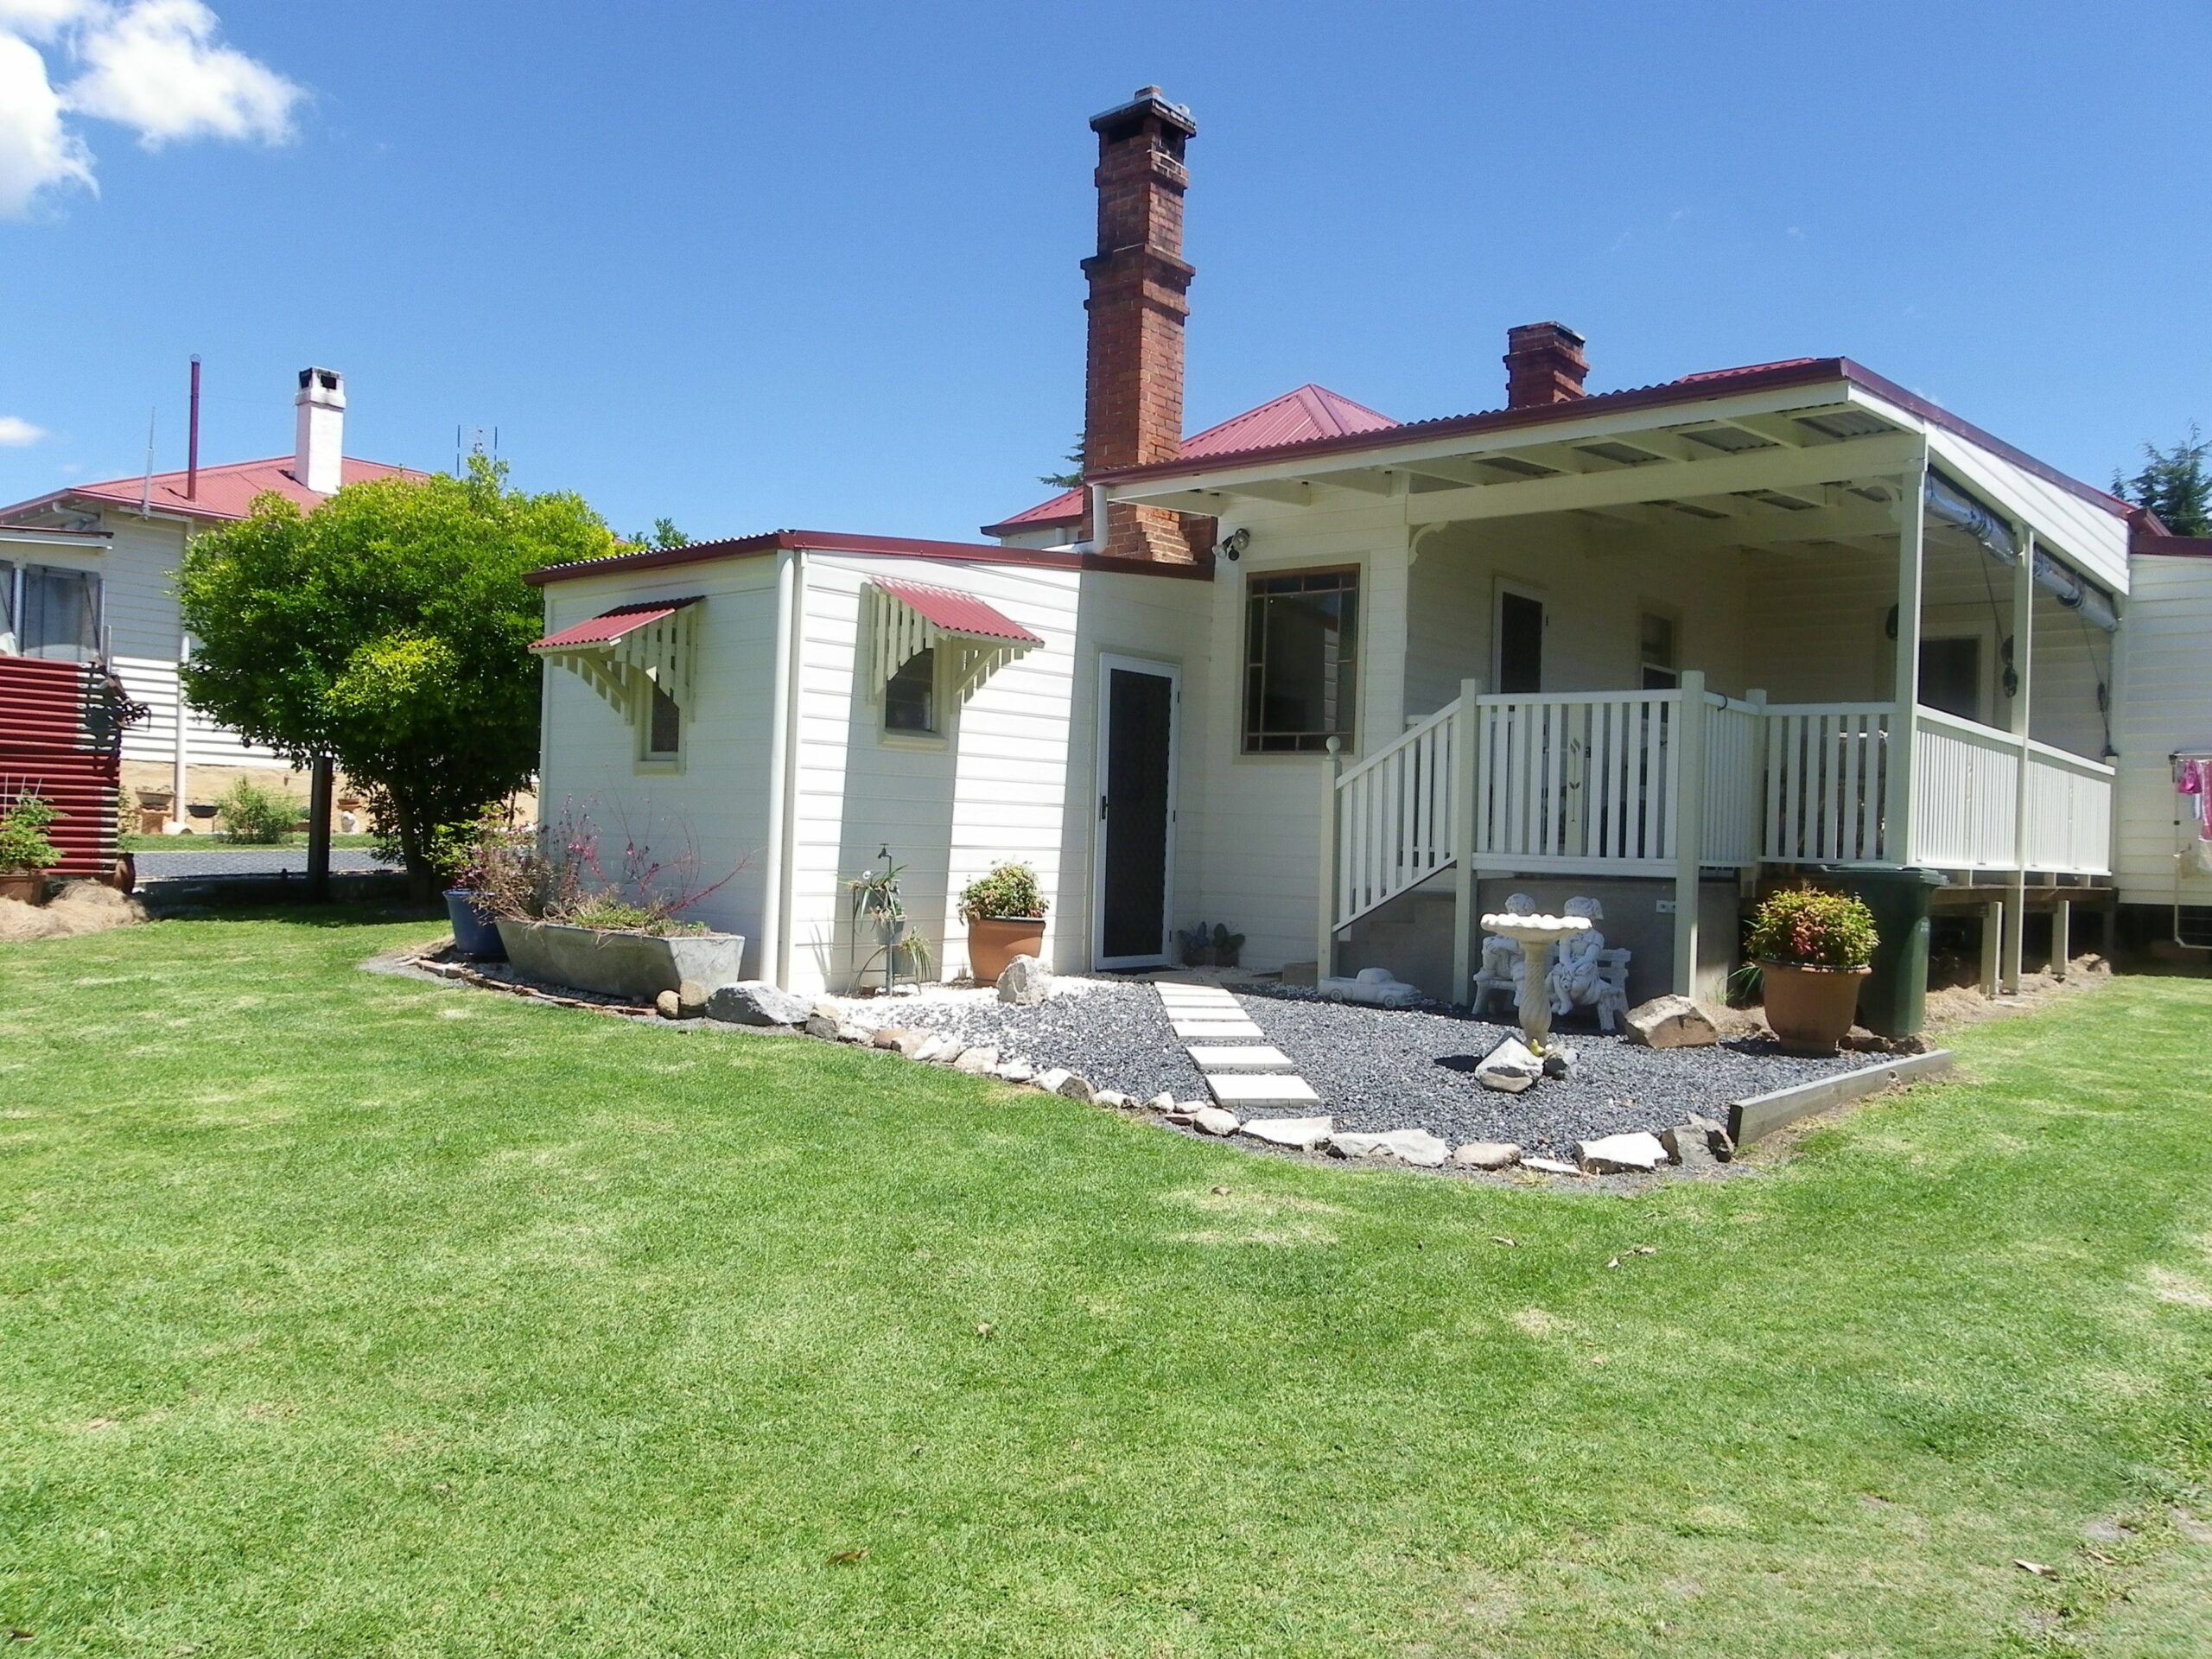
{"type": "Point", "coordinates": [960, 614]}
{"type": "Point", "coordinates": [609, 625]}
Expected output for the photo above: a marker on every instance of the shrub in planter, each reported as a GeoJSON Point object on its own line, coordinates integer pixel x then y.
{"type": "Point", "coordinates": [258, 817]}
{"type": "Point", "coordinates": [1813, 951]}
{"type": "Point", "coordinates": [1211, 946]}
{"type": "Point", "coordinates": [25, 853]}
{"type": "Point", "coordinates": [1005, 913]}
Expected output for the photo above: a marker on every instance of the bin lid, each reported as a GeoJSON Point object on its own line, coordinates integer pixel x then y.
{"type": "Point", "coordinates": [1907, 875]}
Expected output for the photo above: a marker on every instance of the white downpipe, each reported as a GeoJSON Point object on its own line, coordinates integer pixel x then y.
{"type": "Point", "coordinates": [788, 828]}
{"type": "Point", "coordinates": [1095, 541]}
{"type": "Point", "coordinates": [181, 749]}
{"type": "Point", "coordinates": [780, 698]}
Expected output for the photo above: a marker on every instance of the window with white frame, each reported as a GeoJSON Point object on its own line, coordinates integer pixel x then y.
{"type": "Point", "coordinates": [54, 612]}
{"type": "Point", "coordinates": [910, 695]}
{"type": "Point", "coordinates": [663, 726]}
{"type": "Point", "coordinates": [1655, 632]}
{"type": "Point", "coordinates": [1301, 660]}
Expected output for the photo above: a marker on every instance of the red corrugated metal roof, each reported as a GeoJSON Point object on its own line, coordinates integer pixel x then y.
{"type": "Point", "coordinates": [226, 492]}
{"type": "Point", "coordinates": [610, 625]}
{"type": "Point", "coordinates": [866, 547]}
{"type": "Point", "coordinates": [1297, 416]}
{"type": "Point", "coordinates": [955, 613]}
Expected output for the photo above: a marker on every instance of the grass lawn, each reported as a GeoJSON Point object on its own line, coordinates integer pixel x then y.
{"type": "Point", "coordinates": [346, 1315]}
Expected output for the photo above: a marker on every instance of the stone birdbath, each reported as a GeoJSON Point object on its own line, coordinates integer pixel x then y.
{"type": "Point", "coordinates": [1535, 935]}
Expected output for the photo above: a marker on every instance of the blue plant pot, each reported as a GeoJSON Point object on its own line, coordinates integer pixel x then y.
{"type": "Point", "coordinates": [474, 936]}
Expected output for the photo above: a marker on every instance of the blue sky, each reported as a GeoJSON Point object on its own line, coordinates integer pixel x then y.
{"type": "Point", "coordinates": [753, 266]}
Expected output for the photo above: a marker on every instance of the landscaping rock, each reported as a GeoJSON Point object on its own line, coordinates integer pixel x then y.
{"type": "Point", "coordinates": [1026, 982]}
{"type": "Point", "coordinates": [889, 1036]}
{"type": "Point", "coordinates": [690, 1000]}
{"type": "Point", "coordinates": [1698, 1141]}
{"type": "Point", "coordinates": [1214, 1119]}
{"type": "Point", "coordinates": [937, 1047]}
{"type": "Point", "coordinates": [1509, 1067]}
{"type": "Point", "coordinates": [1550, 1166]}
{"type": "Point", "coordinates": [912, 1042]}
{"type": "Point", "coordinates": [1113, 1098]}
{"type": "Point", "coordinates": [1562, 1062]}
{"type": "Point", "coordinates": [1621, 1154]}
{"type": "Point", "coordinates": [1058, 1080]}
{"type": "Point", "coordinates": [822, 1020]}
{"type": "Point", "coordinates": [1487, 1155]}
{"type": "Point", "coordinates": [1670, 1022]}
{"type": "Point", "coordinates": [669, 1006]}
{"type": "Point", "coordinates": [857, 1035]}
{"type": "Point", "coordinates": [1416, 1147]}
{"type": "Point", "coordinates": [1300, 1133]}
{"type": "Point", "coordinates": [978, 1060]}
{"type": "Point", "coordinates": [1017, 1072]}
{"type": "Point", "coordinates": [1162, 1101]}
{"type": "Point", "coordinates": [755, 1003]}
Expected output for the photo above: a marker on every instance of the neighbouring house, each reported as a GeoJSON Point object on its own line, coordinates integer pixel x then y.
{"type": "Point", "coordinates": [1342, 682]}
{"type": "Point", "coordinates": [100, 584]}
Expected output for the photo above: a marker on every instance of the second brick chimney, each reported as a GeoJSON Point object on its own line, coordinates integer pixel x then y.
{"type": "Point", "coordinates": [1543, 364]}
{"type": "Point", "coordinates": [1132, 381]}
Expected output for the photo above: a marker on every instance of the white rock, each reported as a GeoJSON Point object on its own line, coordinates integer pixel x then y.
{"type": "Point", "coordinates": [1487, 1155]}
{"type": "Point", "coordinates": [1214, 1119]}
{"type": "Point", "coordinates": [1670, 1022]}
{"type": "Point", "coordinates": [1416, 1147]}
{"type": "Point", "coordinates": [1302, 1133]}
{"type": "Point", "coordinates": [1510, 1068]}
{"type": "Point", "coordinates": [937, 1047]}
{"type": "Point", "coordinates": [1026, 982]}
{"type": "Point", "coordinates": [1503, 1084]}
{"type": "Point", "coordinates": [1074, 1086]}
{"type": "Point", "coordinates": [1621, 1154]}
{"type": "Point", "coordinates": [1162, 1101]}
{"type": "Point", "coordinates": [978, 1060]}
{"type": "Point", "coordinates": [860, 1036]}
{"type": "Point", "coordinates": [1017, 1072]}
{"type": "Point", "coordinates": [1113, 1099]}
{"type": "Point", "coordinates": [756, 1002]}
{"type": "Point", "coordinates": [1550, 1166]}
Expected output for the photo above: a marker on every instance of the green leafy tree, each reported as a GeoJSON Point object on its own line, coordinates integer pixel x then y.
{"type": "Point", "coordinates": [2175, 483]}
{"type": "Point", "coordinates": [660, 538]}
{"type": "Point", "coordinates": [1073, 476]}
{"type": "Point", "coordinates": [390, 629]}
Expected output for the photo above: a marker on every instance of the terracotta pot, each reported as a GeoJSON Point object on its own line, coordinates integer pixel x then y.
{"type": "Point", "coordinates": [124, 877]}
{"type": "Point", "coordinates": [995, 941]}
{"type": "Point", "coordinates": [25, 886]}
{"type": "Point", "coordinates": [1810, 1008]}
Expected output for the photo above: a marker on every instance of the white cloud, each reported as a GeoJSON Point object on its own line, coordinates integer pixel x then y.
{"type": "Point", "coordinates": [159, 68]}
{"type": "Point", "coordinates": [16, 433]}
{"type": "Point", "coordinates": [36, 151]}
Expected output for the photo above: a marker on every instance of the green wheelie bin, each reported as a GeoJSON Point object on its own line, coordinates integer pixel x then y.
{"type": "Point", "coordinates": [1893, 1002]}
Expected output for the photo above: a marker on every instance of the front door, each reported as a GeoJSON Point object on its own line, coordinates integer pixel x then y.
{"type": "Point", "coordinates": [1519, 654]}
{"type": "Point", "coordinates": [1136, 813]}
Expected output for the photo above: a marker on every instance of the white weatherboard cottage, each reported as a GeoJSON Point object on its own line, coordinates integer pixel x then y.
{"type": "Point", "coordinates": [1343, 683]}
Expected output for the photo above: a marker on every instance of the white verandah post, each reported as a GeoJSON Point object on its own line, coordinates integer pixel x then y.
{"type": "Point", "coordinates": [1689, 784]}
{"type": "Point", "coordinates": [1467, 763]}
{"type": "Point", "coordinates": [2014, 929]}
{"type": "Point", "coordinates": [1324, 950]}
{"type": "Point", "coordinates": [1905, 729]}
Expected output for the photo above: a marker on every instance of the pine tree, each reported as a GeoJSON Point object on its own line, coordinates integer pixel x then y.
{"type": "Point", "coordinates": [2175, 483]}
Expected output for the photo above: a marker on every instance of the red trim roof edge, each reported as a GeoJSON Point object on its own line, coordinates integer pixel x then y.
{"type": "Point", "coordinates": [881, 547]}
{"type": "Point", "coordinates": [1796, 371]}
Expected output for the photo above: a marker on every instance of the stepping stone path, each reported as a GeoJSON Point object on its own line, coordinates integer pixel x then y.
{"type": "Point", "coordinates": [1223, 1043]}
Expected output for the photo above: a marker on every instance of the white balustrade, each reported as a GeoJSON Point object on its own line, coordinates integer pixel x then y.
{"type": "Point", "coordinates": [1394, 816]}
{"type": "Point", "coordinates": [1575, 781]}
{"type": "Point", "coordinates": [2069, 812]}
{"type": "Point", "coordinates": [1826, 782]}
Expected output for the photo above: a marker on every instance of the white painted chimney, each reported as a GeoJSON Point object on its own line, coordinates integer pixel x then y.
{"type": "Point", "coordinates": [318, 430]}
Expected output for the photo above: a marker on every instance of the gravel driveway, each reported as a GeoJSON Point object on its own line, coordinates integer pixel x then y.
{"type": "Point", "coordinates": [1374, 1069]}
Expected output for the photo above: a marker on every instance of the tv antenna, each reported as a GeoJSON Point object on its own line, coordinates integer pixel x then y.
{"type": "Point", "coordinates": [473, 440]}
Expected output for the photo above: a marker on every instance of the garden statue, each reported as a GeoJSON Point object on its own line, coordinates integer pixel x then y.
{"type": "Point", "coordinates": [1587, 975]}
{"type": "Point", "coordinates": [1503, 958]}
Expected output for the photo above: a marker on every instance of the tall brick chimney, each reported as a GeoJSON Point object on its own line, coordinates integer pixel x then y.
{"type": "Point", "coordinates": [1543, 364]}
{"type": "Point", "coordinates": [1133, 380]}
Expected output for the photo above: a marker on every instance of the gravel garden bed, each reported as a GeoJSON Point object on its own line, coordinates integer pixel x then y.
{"type": "Point", "coordinates": [1374, 1069]}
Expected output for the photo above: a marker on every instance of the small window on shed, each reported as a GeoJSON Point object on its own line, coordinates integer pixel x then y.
{"type": "Point", "coordinates": [910, 697]}
{"type": "Point", "coordinates": [663, 728]}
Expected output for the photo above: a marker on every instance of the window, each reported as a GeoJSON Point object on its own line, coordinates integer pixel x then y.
{"type": "Point", "coordinates": [58, 613]}
{"type": "Point", "coordinates": [664, 727]}
{"type": "Point", "coordinates": [1519, 654]}
{"type": "Point", "coordinates": [910, 698]}
{"type": "Point", "coordinates": [1950, 675]}
{"type": "Point", "coordinates": [1655, 651]}
{"type": "Point", "coordinates": [7, 606]}
{"type": "Point", "coordinates": [1302, 670]}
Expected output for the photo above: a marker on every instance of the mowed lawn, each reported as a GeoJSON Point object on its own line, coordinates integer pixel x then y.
{"type": "Point", "coordinates": [342, 1314]}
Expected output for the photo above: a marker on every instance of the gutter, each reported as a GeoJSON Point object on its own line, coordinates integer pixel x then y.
{"type": "Point", "coordinates": [1095, 541]}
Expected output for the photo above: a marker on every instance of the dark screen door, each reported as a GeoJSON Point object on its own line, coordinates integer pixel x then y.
{"type": "Point", "coordinates": [1520, 645]}
{"type": "Point", "coordinates": [1133, 899]}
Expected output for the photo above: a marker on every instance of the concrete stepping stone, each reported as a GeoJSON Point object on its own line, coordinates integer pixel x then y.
{"type": "Point", "coordinates": [1220, 1000]}
{"type": "Point", "coordinates": [1260, 1089]}
{"type": "Point", "coordinates": [1225, 1031]}
{"type": "Point", "coordinates": [1241, 1057]}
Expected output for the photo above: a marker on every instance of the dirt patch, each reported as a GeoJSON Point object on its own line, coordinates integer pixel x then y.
{"type": "Point", "coordinates": [1955, 1006]}
{"type": "Point", "coordinates": [80, 907]}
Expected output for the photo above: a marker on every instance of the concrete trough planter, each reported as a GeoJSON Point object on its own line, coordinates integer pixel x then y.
{"type": "Point", "coordinates": [638, 967]}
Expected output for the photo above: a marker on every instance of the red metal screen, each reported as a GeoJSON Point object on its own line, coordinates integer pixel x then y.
{"type": "Point", "coordinates": [55, 740]}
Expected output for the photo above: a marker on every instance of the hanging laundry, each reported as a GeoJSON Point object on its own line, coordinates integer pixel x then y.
{"type": "Point", "coordinates": [2193, 778]}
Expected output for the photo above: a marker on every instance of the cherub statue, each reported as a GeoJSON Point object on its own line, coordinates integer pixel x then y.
{"type": "Point", "coordinates": [1503, 961]}
{"type": "Point", "coordinates": [1577, 978]}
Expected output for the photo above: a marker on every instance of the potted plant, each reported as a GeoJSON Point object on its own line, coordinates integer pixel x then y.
{"type": "Point", "coordinates": [878, 903]}
{"type": "Point", "coordinates": [1813, 951]}
{"type": "Point", "coordinates": [464, 854]}
{"type": "Point", "coordinates": [1005, 913]}
{"type": "Point", "coordinates": [1211, 947]}
{"type": "Point", "coordinates": [26, 854]}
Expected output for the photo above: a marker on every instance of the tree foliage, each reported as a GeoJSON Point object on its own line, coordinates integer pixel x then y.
{"type": "Point", "coordinates": [1073, 476]}
{"type": "Point", "coordinates": [390, 629]}
{"type": "Point", "coordinates": [2175, 483]}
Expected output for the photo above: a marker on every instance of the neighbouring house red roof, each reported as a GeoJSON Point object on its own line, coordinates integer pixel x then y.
{"type": "Point", "coordinates": [1297, 416]}
{"type": "Point", "coordinates": [962, 614]}
{"type": "Point", "coordinates": [610, 625]}
{"type": "Point", "coordinates": [1787, 372]}
{"type": "Point", "coordinates": [226, 492]}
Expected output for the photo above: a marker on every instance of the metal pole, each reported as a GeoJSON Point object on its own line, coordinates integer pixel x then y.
{"type": "Point", "coordinates": [319, 831]}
